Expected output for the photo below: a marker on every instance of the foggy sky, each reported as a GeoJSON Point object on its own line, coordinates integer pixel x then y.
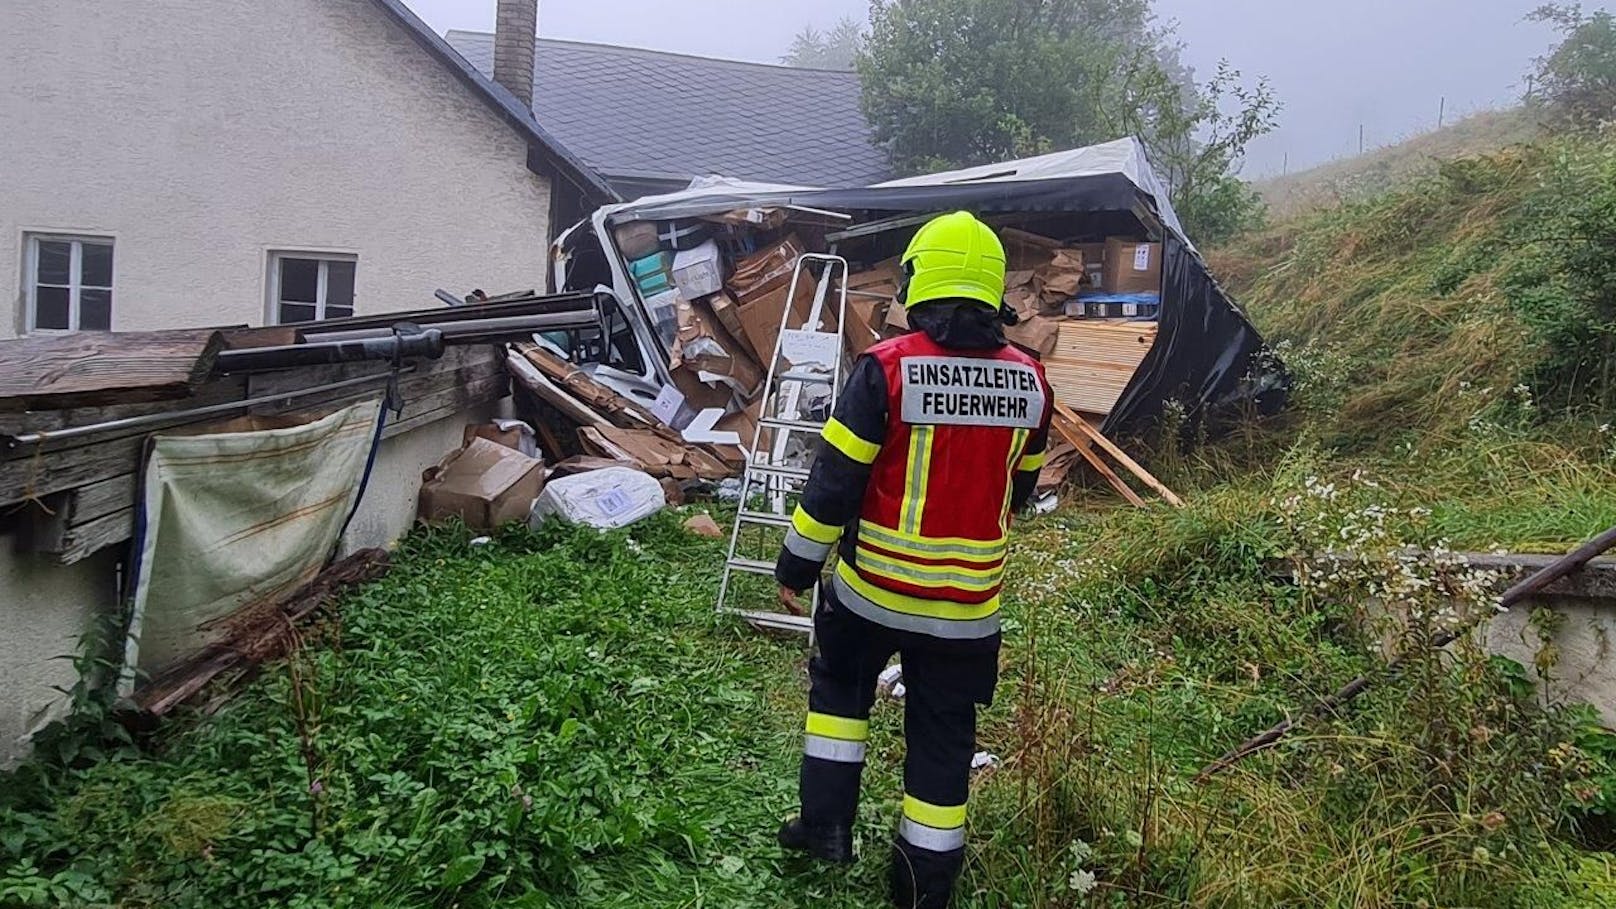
{"type": "Point", "coordinates": [1384, 64]}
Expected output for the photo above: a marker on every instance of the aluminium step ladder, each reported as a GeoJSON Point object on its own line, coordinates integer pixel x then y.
{"type": "Point", "coordinates": [805, 376]}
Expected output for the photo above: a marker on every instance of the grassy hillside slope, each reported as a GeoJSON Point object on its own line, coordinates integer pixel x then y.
{"type": "Point", "coordinates": [1381, 169]}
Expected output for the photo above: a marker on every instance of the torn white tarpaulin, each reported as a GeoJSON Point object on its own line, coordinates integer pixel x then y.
{"type": "Point", "coordinates": [243, 515]}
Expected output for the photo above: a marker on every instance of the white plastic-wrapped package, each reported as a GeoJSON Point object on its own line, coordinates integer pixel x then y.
{"type": "Point", "coordinates": [608, 498]}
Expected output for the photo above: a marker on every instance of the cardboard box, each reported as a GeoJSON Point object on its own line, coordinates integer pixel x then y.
{"type": "Point", "coordinates": [509, 433]}
{"type": "Point", "coordinates": [484, 484]}
{"type": "Point", "coordinates": [636, 240]}
{"type": "Point", "coordinates": [760, 315]}
{"type": "Point", "coordinates": [697, 395]}
{"type": "Point", "coordinates": [887, 272]}
{"type": "Point", "coordinates": [863, 315]}
{"type": "Point", "coordinates": [766, 269]}
{"type": "Point", "coordinates": [1093, 263]}
{"type": "Point", "coordinates": [897, 321]}
{"type": "Point", "coordinates": [1026, 251]}
{"type": "Point", "coordinates": [1132, 267]}
{"type": "Point", "coordinates": [1063, 277]}
{"type": "Point", "coordinates": [699, 272]}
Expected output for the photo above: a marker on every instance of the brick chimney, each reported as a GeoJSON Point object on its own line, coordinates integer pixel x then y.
{"type": "Point", "coordinates": [515, 26]}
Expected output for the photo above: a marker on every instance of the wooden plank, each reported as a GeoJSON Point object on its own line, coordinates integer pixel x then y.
{"type": "Point", "coordinates": [432, 408]}
{"type": "Point", "coordinates": [87, 539]}
{"type": "Point", "coordinates": [1111, 448]}
{"type": "Point", "coordinates": [22, 479]}
{"type": "Point", "coordinates": [1094, 360]}
{"type": "Point", "coordinates": [215, 391]}
{"type": "Point", "coordinates": [103, 498]}
{"type": "Point", "coordinates": [95, 368]}
{"type": "Point", "coordinates": [268, 336]}
{"type": "Point", "coordinates": [1080, 442]}
{"type": "Point", "coordinates": [58, 525]}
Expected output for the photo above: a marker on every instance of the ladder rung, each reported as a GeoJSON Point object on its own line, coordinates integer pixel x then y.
{"type": "Point", "coordinates": [776, 620]}
{"type": "Point", "coordinates": [752, 566]}
{"type": "Point", "coordinates": [787, 473]}
{"type": "Point", "coordinates": [764, 517]}
{"type": "Point", "coordinates": [813, 378]}
{"type": "Point", "coordinates": [804, 425]}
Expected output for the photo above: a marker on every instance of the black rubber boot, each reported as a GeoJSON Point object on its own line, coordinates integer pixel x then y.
{"type": "Point", "coordinates": [830, 844]}
{"type": "Point", "coordinates": [921, 879]}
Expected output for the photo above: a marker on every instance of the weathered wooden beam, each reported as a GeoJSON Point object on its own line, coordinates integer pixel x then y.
{"type": "Point", "coordinates": [95, 368]}
{"type": "Point", "coordinates": [215, 391]}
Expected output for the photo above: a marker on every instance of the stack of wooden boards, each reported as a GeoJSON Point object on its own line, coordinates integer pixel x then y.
{"type": "Point", "coordinates": [1094, 360]}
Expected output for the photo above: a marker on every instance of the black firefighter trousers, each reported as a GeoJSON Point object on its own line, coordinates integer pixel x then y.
{"type": "Point", "coordinates": [945, 682]}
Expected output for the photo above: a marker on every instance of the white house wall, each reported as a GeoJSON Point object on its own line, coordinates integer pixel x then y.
{"type": "Point", "coordinates": [202, 134]}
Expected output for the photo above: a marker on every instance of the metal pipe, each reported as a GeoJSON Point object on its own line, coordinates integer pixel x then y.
{"type": "Point", "coordinates": [154, 419]}
{"type": "Point", "coordinates": [448, 299]}
{"type": "Point", "coordinates": [439, 318]}
{"type": "Point", "coordinates": [509, 326]}
{"type": "Point", "coordinates": [419, 343]}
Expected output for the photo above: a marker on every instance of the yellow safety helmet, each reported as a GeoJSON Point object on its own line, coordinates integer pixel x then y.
{"type": "Point", "coordinates": [955, 257]}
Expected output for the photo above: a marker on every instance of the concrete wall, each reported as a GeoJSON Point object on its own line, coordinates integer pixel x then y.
{"type": "Point", "coordinates": [44, 610]}
{"type": "Point", "coordinates": [203, 134]}
{"type": "Point", "coordinates": [1576, 644]}
{"type": "Point", "coordinates": [46, 607]}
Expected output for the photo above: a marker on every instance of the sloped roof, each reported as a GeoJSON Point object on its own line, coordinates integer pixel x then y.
{"type": "Point", "coordinates": [503, 103]}
{"type": "Point", "coordinates": [643, 114]}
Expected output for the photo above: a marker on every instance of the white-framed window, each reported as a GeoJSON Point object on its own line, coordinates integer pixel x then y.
{"type": "Point", "coordinates": [310, 286]}
{"type": "Point", "coordinates": [69, 282]}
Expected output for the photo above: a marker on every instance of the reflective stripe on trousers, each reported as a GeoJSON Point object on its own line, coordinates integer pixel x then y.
{"type": "Point", "coordinates": [936, 828]}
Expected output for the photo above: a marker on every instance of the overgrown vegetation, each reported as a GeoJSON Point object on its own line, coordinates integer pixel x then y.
{"type": "Point", "coordinates": [952, 83]}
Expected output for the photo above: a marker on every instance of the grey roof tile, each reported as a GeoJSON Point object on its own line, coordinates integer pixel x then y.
{"type": "Point", "coordinates": [632, 112]}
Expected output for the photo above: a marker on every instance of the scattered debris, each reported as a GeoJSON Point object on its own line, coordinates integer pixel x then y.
{"type": "Point", "coordinates": [609, 498]}
{"type": "Point", "coordinates": [480, 541]}
{"type": "Point", "coordinates": [509, 433]}
{"type": "Point", "coordinates": [983, 760]}
{"type": "Point", "coordinates": [890, 682]}
{"type": "Point", "coordinates": [256, 634]}
{"type": "Point", "coordinates": [703, 525]}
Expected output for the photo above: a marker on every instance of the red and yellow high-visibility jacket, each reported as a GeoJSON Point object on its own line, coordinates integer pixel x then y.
{"type": "Point", "coordinates": [930, 450]}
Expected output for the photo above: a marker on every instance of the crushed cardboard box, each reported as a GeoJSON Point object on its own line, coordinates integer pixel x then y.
{"type": "Point", "coordinates": [484, 484]}
{"type": "Point", "coordinates": [656, 455]}
{"type": "Point", "coordinates": [705, 346]}
{"type": "Point", "coordinates": [1038, 334]}
{"type": "Point", "coordinates": [509, 433]}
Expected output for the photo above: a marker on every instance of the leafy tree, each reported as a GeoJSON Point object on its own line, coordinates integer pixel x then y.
{"type": "Point", "coordinates": [951, 83]}
{"type": "Point", "coordinates": [1578, 77]}
{"type": "Point", "coordinates": [835, 49]}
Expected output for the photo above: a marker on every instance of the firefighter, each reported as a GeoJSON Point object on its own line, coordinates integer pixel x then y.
{"type": "Point", "coordinates": [937, 438]}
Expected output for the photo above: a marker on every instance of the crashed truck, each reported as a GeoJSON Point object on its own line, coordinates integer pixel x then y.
{"type": "Point", "coordinates": [1110, 292]}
